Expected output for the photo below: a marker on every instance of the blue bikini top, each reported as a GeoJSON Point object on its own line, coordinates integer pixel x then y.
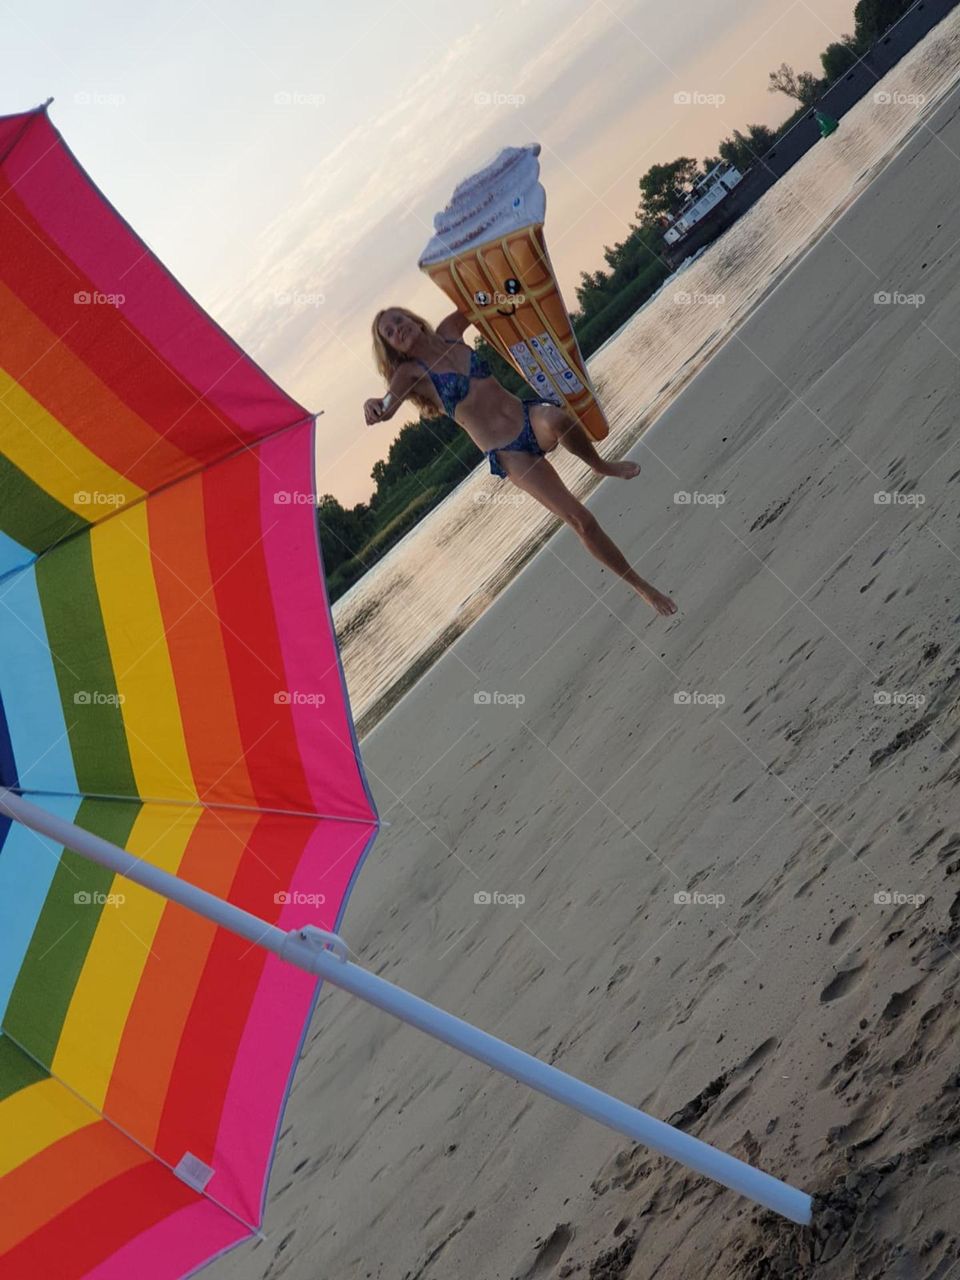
{"type": "Point", "coordinates": [454, 387]}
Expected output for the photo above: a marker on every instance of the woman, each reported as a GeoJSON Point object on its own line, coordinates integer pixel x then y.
{"type": "Point", "coordinates": [441, 374]}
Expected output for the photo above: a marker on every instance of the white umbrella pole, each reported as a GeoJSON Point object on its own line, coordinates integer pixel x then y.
{"type": "Point", "coordinates": [325, 954]}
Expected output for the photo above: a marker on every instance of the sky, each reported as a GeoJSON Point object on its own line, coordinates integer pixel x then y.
{"type": "Point", "coordinates": [285, 162]}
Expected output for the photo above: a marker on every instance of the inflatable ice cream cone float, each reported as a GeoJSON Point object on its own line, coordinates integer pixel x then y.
{"type": "Point", "coordinates": [489, 257]}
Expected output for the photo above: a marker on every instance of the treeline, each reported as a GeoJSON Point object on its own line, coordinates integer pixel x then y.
{"type": "Point", "coordinates": [608, 298]}
{"type": "Point", "coordinates": [431, 456]}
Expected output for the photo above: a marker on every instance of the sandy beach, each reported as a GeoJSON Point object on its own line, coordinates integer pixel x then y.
{"type": "Point", "coordinates": [800, 1008]}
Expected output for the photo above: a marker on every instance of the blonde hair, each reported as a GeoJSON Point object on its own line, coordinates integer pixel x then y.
{"type": "Point", "coordinates": [388, 359]}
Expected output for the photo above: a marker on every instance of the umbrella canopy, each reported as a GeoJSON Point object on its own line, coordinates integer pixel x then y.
{"type": "Point", "coordinates": [169, 680]}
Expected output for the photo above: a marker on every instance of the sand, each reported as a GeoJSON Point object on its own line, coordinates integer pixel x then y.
{"type": "Point", "coordinates": [800, 1023]}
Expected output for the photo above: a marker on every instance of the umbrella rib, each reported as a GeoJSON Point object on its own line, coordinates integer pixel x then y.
{"type": "Point", "coordinates": [250, 1226]}
{"type": "Point", "coordinates": [192, 804]}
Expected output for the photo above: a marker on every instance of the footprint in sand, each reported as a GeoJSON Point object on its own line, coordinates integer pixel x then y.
{"type": "Point", "coordinates": [750, 1062]}
{"type": "Point", "coordinates": [802, 891]}
{"type": "Point", "coordinates": [681, 1053]}
{"type": "Point", "coordinates": [925, 1044]}
{"type": "Point", "coordinates": [868, 1125]}
{"type": "Point", "coordinates": [847, 1066]}
{"type": "Point", "coordinates": [549, 1252]}
{"type": "Point", "coordinates": [840, 930]}
{"type": "Point", "coordinates": [759, 1054]}
{"type": "Point", "coordinates": [731, 1105]}
{"type": "Point", "coordinates": [841, 983]}
{"type": "Point", "coordinates": [899, 1002]}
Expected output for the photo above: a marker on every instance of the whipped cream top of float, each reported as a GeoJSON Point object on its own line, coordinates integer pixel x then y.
{"type": "Point", "coordinates": [491, 203]}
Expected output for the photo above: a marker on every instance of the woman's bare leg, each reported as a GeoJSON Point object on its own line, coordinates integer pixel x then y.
{"type": "Point", "coordinates": [560, 427]}
{"type": "Point", "coordinates": [534, 475]}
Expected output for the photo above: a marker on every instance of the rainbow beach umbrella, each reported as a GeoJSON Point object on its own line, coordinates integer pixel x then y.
{"type": "Point", "coordinates": [183, 809]}
{"type": "Point", "coordinates": [169, 680]}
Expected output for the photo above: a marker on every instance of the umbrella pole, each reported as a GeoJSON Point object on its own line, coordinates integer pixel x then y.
{"type": "Point", "coordinates": [325, 955]}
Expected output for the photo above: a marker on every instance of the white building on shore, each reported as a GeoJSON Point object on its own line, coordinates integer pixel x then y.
{"type": "Point", "coordinates": [707, 192]}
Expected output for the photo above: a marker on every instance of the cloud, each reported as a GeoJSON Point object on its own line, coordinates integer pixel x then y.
{"type": "Point", "coordinates": [367, 206]}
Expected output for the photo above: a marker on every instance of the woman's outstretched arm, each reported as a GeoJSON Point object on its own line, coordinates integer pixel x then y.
{"type": "Point", "coordinates": [381, 409]}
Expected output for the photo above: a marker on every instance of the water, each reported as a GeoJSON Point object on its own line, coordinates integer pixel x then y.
{"type": "Point", "coordinates": [425, 592]}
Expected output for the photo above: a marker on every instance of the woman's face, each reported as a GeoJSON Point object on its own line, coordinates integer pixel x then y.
{"type": "Point", "coordinates": [399, 330]}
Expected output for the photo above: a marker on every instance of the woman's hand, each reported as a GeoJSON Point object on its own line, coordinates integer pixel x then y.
{"type": "Point", "coordinates": [374, 411]}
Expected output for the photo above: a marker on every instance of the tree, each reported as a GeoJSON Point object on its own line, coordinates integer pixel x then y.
{"type": "Point", "coordinates": [871, 18]}
{"type": "Point", "coordinates": [590, 291]}
{"type": "Point", "coordinates": [629, 256]}
{"type": "Point", "coordinates": [342, 532]}
{"type": "Point", "coordinates": [614, 258]}
{"type": "Point", "coordinates": [803, 86]}
{"type": "Point", "coordinates": [665, 187]}
{"type": "Point", "coordinates": [838, 57]}
{"type": "Point", "coordinates": [743, 149]}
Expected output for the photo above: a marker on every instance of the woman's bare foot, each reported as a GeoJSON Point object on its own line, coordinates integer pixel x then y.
{"type": "Point", "coordinates": [657, 600]}
{"type": "Point", "coordinates": [625, 470]}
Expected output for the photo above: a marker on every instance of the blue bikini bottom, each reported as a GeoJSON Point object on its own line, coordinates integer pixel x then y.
{"type": "Point", "coordinates": [526, 441]}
